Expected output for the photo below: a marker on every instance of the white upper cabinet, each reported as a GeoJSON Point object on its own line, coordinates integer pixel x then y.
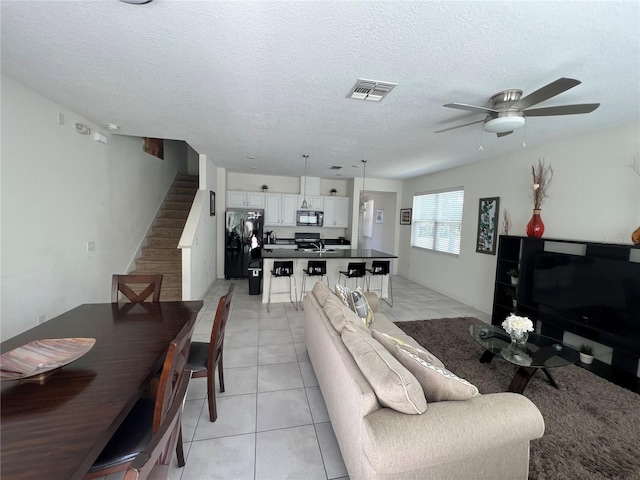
{"type": "Point", "coordinates": [315, 202]}
{"type": "Point", "coordinates": [280, 209]}
{"type": "Point", "coordinates": [237, 199]}
{"type": "Point", "coordinates": [336, 212]}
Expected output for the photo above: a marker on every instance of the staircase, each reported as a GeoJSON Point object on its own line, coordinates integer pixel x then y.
{"type": "Point", "coordinates": [160, 253]}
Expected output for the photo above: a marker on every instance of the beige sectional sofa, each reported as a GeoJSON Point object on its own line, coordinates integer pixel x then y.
{"type": "Point", "coordinates": [484, 437]}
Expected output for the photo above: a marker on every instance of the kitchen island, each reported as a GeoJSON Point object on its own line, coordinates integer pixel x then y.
{"type": "Point", "coordinates": [336, 260]}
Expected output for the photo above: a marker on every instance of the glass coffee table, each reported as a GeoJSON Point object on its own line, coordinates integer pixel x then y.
{"type": "Point", "coordinates": [539, 353]}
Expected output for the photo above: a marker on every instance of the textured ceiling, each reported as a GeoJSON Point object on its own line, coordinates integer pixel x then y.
{"type": "Point", "coordinates": [270, 79]}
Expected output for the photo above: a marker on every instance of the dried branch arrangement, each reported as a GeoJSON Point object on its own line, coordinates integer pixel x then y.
{"type": "Point", "coordinates": [542, 176]}
{"type": "Point", "coordinates": [506, 222]}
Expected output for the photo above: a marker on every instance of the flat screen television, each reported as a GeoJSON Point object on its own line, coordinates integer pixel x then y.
{"type": "Point", "coordinates": [599, 293]}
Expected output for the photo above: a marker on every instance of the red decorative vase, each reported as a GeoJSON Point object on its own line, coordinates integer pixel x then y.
{"type": "Point", "coordinates": [535, 227]}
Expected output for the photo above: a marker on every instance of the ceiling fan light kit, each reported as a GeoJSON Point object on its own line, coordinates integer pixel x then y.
{"type": "Point", "coordinates": [504, 124]}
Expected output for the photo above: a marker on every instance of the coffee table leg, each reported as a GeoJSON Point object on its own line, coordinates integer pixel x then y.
{"type": "Point", "coordinates": [551, 379]}
{"type": "Point", "coordinates": [487, 356]}
{"type": "Point", "coordinates": [521, 379]}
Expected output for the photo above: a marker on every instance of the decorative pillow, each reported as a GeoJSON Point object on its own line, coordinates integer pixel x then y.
{"type": "Point", "coordinates": [392, 383]}
{"type": "Point", "coordinates": [389, 342]}
{"type": "Point", "coordinates": [340, 316]}
{"type": "Point", "coordinates": [321, 292]}
{"type": "Point", "coordinates": [344, 294]}
{"type": "Point", "coordinates": [360, 305]}
{"type": "Point", "coordinates": [438, 383]}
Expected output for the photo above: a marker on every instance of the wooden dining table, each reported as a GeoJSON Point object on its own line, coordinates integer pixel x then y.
{"type": "Point", "coordinates": [55, 428]}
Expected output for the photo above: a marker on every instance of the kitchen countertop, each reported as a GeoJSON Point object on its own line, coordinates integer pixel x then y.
{"type": "Point", "coordinates": [337, 254]}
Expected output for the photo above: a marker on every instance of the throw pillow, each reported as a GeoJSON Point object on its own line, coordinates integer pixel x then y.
{"type": "Point", "coordinates": [360, 305]}
{"type": "Point", "coordinates": [344, 294]}
{"type": "Point", "coordinates": [438, 383]}
{"type": "Point", "coordinates": [389, 342]}
{"type": "Point", "coordinates": [394, 386]}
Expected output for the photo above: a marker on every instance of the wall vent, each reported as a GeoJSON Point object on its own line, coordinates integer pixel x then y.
{"type": "Point", "coordinates": [335, 167]}
{"type": "Point", "coordinates": [370, 90]}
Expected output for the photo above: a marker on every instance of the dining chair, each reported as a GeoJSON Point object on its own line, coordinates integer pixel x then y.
{"type": "Point", "coordinates": [147, 415]}
{"type": "Point", "coordinates": [204, 357]}
{"type": "Point", "coordinates": [354, 270]}
{"type": "Point", "coordinates": [126, 284]}
{"type": "Point", "coordinates": [154, 462]}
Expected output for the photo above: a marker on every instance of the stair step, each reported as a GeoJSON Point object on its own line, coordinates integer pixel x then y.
{"type": "Point", "coordinates": [169, 278]}
{"type": "Point", "coordinates": [182, 198]}
{"type": "Point", "coordinates": [178, 206]}
{"type": "Point", "coordinates": [166, 232]}
{"type": "Point", "coordinates": [156, 265]}
{"type": "Point", "coordinates": [175, 190]}
{"type": "Point", "coordinates": [186, 177]}
{"type": "Point", "coordinates": [169, 253]}
{"type": "Point", "coordinates": [170, 222]}
{"type": "Point", "coordinates": [185, 184]}
{"type": "Point", "coordinates": [183, 214]}
{"type": "Point", "coordinates": [162, 242]}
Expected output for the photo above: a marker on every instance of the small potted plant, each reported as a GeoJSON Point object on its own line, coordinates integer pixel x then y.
{"type": "Point", "coordinates": [586, 354]}
{"type": "Point", "coordinates": [265, 188]}
{"type": "Point", "coordinates": [514, 273]}
{"type": "Point", "coordinates": [333, 192]}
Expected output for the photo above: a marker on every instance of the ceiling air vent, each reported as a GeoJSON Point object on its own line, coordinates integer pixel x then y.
{"type": "Point", "coordinates": [371, 90]}
{"type": "Point", "coordinates": [335, 167]}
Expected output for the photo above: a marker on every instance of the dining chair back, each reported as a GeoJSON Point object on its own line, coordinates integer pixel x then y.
{"type": "Point", "coordinates": [147, 415]}
{"type": "Point", "coordinates": [154, 462]}
{"type": "Point", "coordinates": [135, 288]}
{"type": "Point", "coordinates": [204, 357]}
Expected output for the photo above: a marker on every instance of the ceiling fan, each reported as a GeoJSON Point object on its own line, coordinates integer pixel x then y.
{"type": "Point", "coordinates": [509, 110]}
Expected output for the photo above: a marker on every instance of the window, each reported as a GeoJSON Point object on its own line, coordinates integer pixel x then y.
{"type": "Point", "coordinates": [437, 221]}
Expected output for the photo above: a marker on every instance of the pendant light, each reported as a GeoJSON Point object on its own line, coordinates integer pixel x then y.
{"type": "Point", "coordinates": [305, 205]}
{"type": "Point", "coordinates": [363, 207]}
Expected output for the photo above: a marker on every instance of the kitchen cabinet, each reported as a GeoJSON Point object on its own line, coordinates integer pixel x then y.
{"type": "Point", "coordinates": [313, 202]}
{"type": "Point", "coordinates": [280, 209]}
{"type": "Point", "coordinates": [336, 212]}
{"type": "Point", "coordinates": [237, 199]}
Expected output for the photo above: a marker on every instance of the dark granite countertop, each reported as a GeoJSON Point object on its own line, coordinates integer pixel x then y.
{"type": "Point", "coordinates": [338, 254]}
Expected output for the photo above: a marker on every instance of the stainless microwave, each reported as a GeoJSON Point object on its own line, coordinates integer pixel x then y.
{"type": "Point", "coordinates": [310, 218]}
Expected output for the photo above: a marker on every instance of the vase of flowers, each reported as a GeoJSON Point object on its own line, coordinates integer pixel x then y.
{"type": "Point", "coordinates": [542, 176]}
{"type": "Point", "coordinates": [518, 328]}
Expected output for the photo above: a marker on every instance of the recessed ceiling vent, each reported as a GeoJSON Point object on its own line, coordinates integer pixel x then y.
{"type": "Point", "coordinates": [371, 90]}
{"type": "Point", "coordinates": [335, 167]}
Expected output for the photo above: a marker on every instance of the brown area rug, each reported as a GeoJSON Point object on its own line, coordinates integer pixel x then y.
{"type": "Point", "coordinates": [592, 426]}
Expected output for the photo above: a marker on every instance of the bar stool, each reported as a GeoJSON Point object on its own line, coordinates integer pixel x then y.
{"type": "Point", "coordinates": [381, 268]}
{"type": "Point", "coordinates": [284, 269]}
{"type": "Point", "coordinates": [354, 270]}
{"type": "Point", "coordinates": [315, 268]}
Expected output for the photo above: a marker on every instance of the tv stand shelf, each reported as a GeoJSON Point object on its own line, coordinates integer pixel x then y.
{"type": "Point", "coordinates": [522, 253]}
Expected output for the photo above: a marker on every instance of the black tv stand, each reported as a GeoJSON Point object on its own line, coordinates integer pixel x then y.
{"type": "Point", "coordinates": [519, 252]}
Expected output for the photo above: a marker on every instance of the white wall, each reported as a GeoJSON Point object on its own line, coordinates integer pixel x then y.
{"type": "Point", "coordinates": [594, 196]}
{"type": "Point", "coordinates": [383, 238]}
{"type": "Point", "coordinates": [61, 190]}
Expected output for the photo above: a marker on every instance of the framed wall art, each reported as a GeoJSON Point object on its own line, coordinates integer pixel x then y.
{"type": "Point", "coordinates": [488, 225]}
{"type": "Point", "coordinates": [379, 216]}
{"type": "Point", "coordinates": [405, 216]}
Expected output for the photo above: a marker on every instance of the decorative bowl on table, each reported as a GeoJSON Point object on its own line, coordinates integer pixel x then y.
{"type": "Point", "coordinates": [41, 356]}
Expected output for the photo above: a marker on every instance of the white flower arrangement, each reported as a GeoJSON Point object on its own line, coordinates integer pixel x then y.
{"type": "Point", "coordinates": [517, 325]}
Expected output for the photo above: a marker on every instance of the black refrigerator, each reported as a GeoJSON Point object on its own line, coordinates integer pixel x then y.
{"type": "Point", "coordinates": [243, 241]}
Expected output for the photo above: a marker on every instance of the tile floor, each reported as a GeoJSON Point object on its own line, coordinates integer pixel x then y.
{"type": "Point", "coordinates": [272, 422]}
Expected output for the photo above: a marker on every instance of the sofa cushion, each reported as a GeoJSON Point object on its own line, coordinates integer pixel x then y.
{"type": "Point", "coordinates": [438, 383]}
{"type": "Point", "coordinates": [390, 341]}
{"type": "Point", "coordinates": [344, 294]}
{"type": "Point", "coordinates": [394, 385]}
{"type": "Point", "coordinates": [340, 315]}
{"type": "Point", "coordinates": [321, 292]}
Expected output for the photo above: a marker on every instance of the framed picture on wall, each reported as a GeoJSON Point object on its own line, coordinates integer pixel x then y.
{"type": "Point", "coordinates": [379, 215]}
{"type": "Point", "coordinates": [212, 204]}
{"type": "Point", "coordinates": [405, 216]}
{"type": "Point", "coordinates": [487, 225]}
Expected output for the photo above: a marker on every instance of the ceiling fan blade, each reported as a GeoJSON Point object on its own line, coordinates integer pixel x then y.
{"type": "Point", "coordinates": [458, 126]}
{"type": "Point", "coordinates": [546, 92]}
{"type": "Point", "coordinates": [469, 108]}
{"type": "Point", "coordinates": [504, 134]}
{"type": "Point", "coordinates": [562, 110]}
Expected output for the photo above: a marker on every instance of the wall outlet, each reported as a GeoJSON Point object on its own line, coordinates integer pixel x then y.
{"type": "Point", "coordinates": [60, 118]}
{"type": "Point", "coordinates": [42, 318]}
